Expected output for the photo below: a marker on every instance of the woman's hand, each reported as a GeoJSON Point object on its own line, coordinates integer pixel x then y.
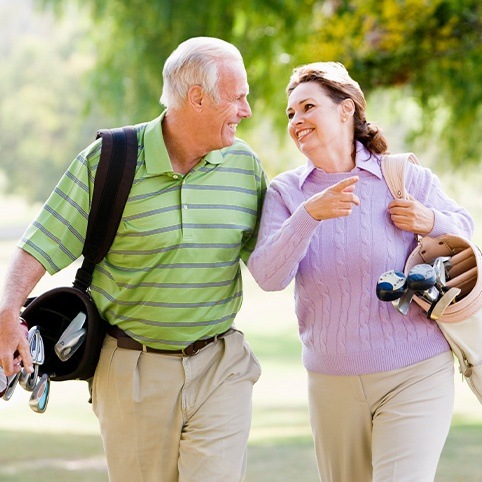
{"type": "Point", "coordinates": [411, 215]}
{"type": "Point", "coordinates": [334, 202]}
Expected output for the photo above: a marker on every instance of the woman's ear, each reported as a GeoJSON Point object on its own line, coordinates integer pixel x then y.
{"type": "Point", "coordinates": [347, 108]}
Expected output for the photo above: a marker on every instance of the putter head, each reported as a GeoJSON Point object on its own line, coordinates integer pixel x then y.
{"type": "Point", "coordinates": [391, 285]}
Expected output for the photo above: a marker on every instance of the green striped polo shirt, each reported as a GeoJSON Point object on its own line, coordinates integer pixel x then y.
{"type": "Point", "coordinates": [173, 273]}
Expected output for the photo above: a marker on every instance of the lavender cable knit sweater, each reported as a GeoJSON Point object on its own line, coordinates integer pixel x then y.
{"type": "Point", "coordinates": [344, 328]}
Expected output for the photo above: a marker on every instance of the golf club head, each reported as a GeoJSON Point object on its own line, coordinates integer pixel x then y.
{"type": "Point", "coordinates": [441, 272]}
{"type": "Point", "coordinates": [3, 382]}
{"type": "Point", "coordinates": [421, 277]}
{"type": "Point", "coordinates": [40, 395]}
{"type": "Point", "coordinates": [431, 295]}
{"type": "Point", "coordinates": [7, 383]}
{"type": "Point", "coordinates": [72, 337]}
{"type": "Point", "coordinates": [12, 384]}
{"type": "Point", "coordinates": [403, 303]}
{"type": "Point", "coordinates": [28, 380]}
{"type": "Point", "coordinates": [391, 285]}
{"type": "Point", "coordinates": [69, 344]}
{"type": "Point", "coordinates": [37, 349]}
{"type": "Point", "coordinates": [75, 325]}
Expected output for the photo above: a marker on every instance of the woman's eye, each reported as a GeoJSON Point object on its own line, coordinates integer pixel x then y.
{"type": "Point", "coordinates": [290, 115]}
{"type": "Point", "coordinates": [308, 106]}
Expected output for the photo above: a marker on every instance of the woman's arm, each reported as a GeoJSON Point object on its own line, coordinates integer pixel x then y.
{"type": "Point", "coordinates": [284, 237]}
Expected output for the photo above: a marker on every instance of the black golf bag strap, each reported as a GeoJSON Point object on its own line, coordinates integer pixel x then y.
{"type": "Point", "coordinates": [113, 181]}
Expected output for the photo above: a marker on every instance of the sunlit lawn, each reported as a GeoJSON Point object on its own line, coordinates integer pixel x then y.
{"type": "Point", "coordinates": [64, 442]}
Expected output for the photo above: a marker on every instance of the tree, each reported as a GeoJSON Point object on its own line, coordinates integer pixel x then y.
{"type": "Point", "coordinates": [433, 48]}
{"type": "Point", "coordinates": [134, 39]}
{"type": "Point", "coordinates": [43, 123]}
{"type": "Point", "coordinates": [430, 49]}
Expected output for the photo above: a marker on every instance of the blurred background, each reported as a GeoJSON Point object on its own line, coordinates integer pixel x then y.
{"type": "Point", "coordinates": [71, 67]}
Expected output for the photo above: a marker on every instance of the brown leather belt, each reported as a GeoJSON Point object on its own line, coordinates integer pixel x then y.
{"type": "Point", "coordinates": [125, 341]}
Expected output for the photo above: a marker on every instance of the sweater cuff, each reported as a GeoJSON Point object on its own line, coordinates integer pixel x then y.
{"type": "Point", "coordinates": [442, 225]}
{"type": "Point", "coordinates": [305, 223]}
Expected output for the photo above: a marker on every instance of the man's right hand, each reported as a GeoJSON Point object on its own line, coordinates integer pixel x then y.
{"type": "Point", "coordinates": [22, 276]}
{"type": "Point", "coordinates": [14, 346]}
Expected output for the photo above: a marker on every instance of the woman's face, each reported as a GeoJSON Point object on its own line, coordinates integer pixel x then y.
{"type": "Point", "coordinates": [314, 119]}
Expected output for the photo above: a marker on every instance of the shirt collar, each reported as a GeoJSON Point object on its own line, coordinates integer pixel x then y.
{"type": "Point", "coordinates": [363, 160]}
{"type": "Point", "coordinates": [155, 151]}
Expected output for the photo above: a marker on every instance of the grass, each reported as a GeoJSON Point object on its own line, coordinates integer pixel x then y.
{"type": "Point", "coordinates": [64, 442]}
{"type": "Point", "coordinates": [44, 457]}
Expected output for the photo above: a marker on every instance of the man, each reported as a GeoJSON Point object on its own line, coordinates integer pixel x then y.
{"type": "Point", "coordinates": [171, 278]}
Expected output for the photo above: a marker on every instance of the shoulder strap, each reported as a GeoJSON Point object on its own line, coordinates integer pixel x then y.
{"type": "Point", "coordinates": [113, 181]}
{"type": "Point", "coordinates": [393, 170]}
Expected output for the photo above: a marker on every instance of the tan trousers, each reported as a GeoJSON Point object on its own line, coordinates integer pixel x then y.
{"type": "Point", "coordinates": [168, 418]}
{"type": "Point", "coordinates": [382, 427]}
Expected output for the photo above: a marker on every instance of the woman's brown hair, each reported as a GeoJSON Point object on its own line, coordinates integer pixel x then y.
{"type": "Point", "coordinates": [334, 79]}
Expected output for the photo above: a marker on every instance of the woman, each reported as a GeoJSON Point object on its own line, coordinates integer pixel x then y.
{"type": "Point", "coordinates": [380, 383]}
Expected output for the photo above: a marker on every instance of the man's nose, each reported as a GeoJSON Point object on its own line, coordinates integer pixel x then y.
{"type": "Point", "coordinates": [246, 110]}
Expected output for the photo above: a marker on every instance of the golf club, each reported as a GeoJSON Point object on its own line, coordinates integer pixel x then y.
{"type": "Point", "coordinates": [12, 384]}
{"type": "Point", "coordinates": [71, 339]}
{"type": "Point", "coordinates": [28, 380]}
{"type": "Point", "coordinates": [419, 279]}
{"type": "Point", "coordinates": [391, 285]}
{"type": "Point", "coordinates": [40, 394]}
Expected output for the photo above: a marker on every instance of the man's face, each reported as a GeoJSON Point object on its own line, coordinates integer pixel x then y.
{"type": "Point", "coordinates": [223, 117]}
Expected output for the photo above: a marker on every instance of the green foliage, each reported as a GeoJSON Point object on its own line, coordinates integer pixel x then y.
{"type": "Point", "coordinates": [432, 47]}
{"type": "Point", "coordinates": [60, 75]}
{"type": "Point", "coordinates": [134, 39]}
{"type": "Point", "coordinates": [43, 123]}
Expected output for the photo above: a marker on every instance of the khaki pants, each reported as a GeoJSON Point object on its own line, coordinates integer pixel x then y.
{"type": "Point", "coordinates": [168, 418]}
{"type": "Point", "coordinates": [382, 427]}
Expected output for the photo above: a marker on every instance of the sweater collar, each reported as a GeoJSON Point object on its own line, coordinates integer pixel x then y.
{"type": "Point", "coordinates": [364, 160]}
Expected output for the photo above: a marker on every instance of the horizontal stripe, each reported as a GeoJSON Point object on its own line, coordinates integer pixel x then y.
{"type": "Point", "coordinates": [184, 266]}
{"type": "Point", "coordinates": [172, 324]}
{"type": "Point", "coordinates": [55, 240]}
{"type": "Point", "coordinates": [172, 274]}
{"type": "Point", "coordinates": [159, 304]}
{"type": "Point", "coordinates": [34, 249]}
{"type": "Point", "coordinates": [65, 223]}
{"type": "Point", "coordinates": [143, 252]}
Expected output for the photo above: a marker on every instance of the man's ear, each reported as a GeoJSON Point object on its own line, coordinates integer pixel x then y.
{"type": "Point", "coordinates": [196, 96]}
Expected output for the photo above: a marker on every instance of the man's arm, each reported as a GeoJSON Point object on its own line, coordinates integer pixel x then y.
{"type": "Point", "coordinates": [22, 276]}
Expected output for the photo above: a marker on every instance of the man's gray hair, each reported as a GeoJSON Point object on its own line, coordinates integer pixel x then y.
{"type": "Point", "coordinates": [195, 62]}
